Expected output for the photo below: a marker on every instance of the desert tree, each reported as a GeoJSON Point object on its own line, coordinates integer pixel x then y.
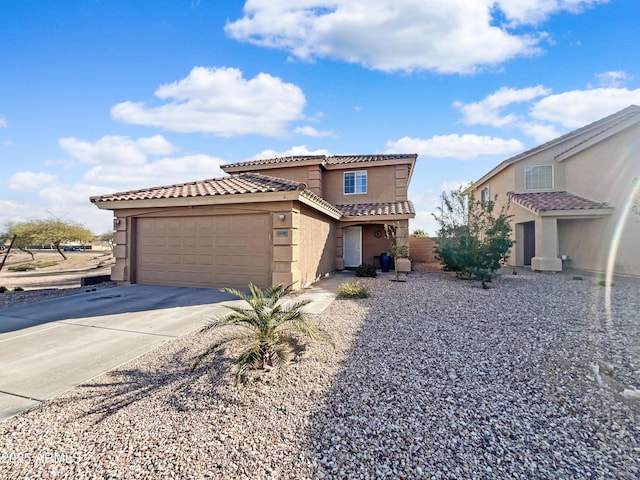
{"type": "Point", "coordinates": [52, 232]}
{"type": "Point", "coordinates": [474, 239]}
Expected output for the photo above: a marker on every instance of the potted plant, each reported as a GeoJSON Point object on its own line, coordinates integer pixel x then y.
{"type": "Point", "coordinates": [400, 253]}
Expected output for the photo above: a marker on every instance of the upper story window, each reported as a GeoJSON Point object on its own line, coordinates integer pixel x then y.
{"type": "Point", "coordinates": [484, 196]}
{"type": "Point", "coordinates": [355, 182]}
{"type": "Point", "coordinates": [538, 177]}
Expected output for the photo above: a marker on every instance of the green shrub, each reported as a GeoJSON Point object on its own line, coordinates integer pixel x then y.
{"type": "Point", "coordinates": [3, 289]}
{"type": "Point", "coordinates": [577, 277]}
{"type": "Point", "coordinates": [25, 267]}
{"type": "Point", "coordinates": [366, 270]}
{"type": "Point", "coordinates": [18, 289]}
{"type": "Point", "coordinates": [267, 334]}
{"type": "Point", "coordinates": [473, 240]}
{"type": "Point", "coordinates": [353, 290]}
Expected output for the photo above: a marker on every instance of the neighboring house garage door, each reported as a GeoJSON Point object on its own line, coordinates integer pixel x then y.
{"type": "Point", "coordinates": [208, 251]}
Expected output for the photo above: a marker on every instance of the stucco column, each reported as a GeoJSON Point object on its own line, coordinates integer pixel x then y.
{"type": "Point", "coordinates": [286, 240]}
{"type": "Point", "coordinates": [122, 231]}
{"type": "Point", "coordinates": [546, 259]}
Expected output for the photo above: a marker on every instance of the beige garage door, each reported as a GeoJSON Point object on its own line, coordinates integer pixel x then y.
{"type": "Point", "coordinates": [211, 251]}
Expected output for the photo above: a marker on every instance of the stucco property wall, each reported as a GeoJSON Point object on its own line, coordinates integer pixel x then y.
{"type": "Point", "coordinates": [421, 249]}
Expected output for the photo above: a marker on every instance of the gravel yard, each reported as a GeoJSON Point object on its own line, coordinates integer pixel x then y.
{"type": "Point", "coordinates": [430, 378]}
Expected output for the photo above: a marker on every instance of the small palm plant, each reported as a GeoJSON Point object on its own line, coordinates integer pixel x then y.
{"type": "Point", "coordinates": [269, 333]}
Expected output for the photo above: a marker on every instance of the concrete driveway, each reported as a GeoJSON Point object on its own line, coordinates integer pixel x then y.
{"type": "Point", "coordinates": [51, 346]}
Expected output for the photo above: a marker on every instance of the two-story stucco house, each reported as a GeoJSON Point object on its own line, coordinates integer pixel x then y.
{"type": "Point", "coordinates": [282, 220]}
{"type": "Point", "coordinates": [572, 198]}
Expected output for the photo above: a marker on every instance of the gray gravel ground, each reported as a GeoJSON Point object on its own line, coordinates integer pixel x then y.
{"type": "Point", "coordinates": [430, 378]}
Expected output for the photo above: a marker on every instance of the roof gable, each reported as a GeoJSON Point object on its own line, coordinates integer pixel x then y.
{"type": "Point", "coordinates": [576, 140]}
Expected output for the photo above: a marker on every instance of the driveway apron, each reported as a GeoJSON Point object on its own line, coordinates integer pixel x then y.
{"type": "Point", "coordinates": [51, 346]}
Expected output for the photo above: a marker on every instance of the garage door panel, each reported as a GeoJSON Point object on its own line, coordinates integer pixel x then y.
{"type": "Point", "coordinates": [204, 251]}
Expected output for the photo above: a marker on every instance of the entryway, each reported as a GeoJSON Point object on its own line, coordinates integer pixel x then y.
{"type": "Point", "coordinates": [352, 246]}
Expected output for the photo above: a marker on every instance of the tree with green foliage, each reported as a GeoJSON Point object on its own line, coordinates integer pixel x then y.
{"type": "Point", "coordinates": [267, 333]}
{"type": "Point", "coordinates": [106, 237]}
{"type": "Point", "coordinates": [48, 232]}
{"type": "Point", "coordinates": [473, 239]}
{"type": "Point", "coordinates": [23, 236]}
{"type": "Point", "coordinates": [418, 232]}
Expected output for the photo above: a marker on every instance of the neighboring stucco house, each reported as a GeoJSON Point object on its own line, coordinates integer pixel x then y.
{"type": "Point", "coordinates": [282, 220]}
{"type": "Point", "coordinates": [572, 198]}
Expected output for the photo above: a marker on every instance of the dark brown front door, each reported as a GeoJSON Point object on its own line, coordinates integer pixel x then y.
{"type": "Point", "coordinates": [529, 242]}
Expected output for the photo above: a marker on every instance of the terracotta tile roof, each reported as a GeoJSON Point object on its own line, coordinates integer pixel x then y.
{"type": "Point", "coordinates": [232, 185]}
{"type": "Point", "coordinates": [377, 209]}
{"type": "Point", "coordinates": [276, 161]}
{"type": "Point", "coordinates": [551, 201]}
{"type": "Point", "coordinates": [324, 159]}
{"type": "Point", "coordinates": [342, 159]}
{"type": "Point", "coordinates": [320, 201]}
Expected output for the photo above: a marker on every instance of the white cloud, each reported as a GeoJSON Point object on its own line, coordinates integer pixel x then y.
{"type": "Point", "coordinates": [3, 122]}
{"type": "Point", "coordinates": [219, 101]}
{"type": "Point", "coordinates": [30, 181]}
{"type": "Point", "coordinates": [312, 132]}
{"type": "Point", "coordinates": [577, 108]}
{"type": "Point", "coordinates": [550, 116]}
{"type": "Point", "coordinates": [540, 132]}
{"type": "Point", "coordinates": [464, 147]}
{"type": "Point", "coordinates": [300, 150]}
{"type": "Point", "coordinates": [166, 171]}
{"type": "Point", "coordinates": [535, 11]}
{"type": "Point", "coordinates": [116, 149]}
{"type": "Point", "coordinates": [156, 145]}
{"type": "Point", "coordinates": [612, 79]}
{"type": "Point", "coordinates": [489, 110]}
{"type": "Point", "coordinates": [390, 35]}
{"type": "Point", "coordinates": [451, 185]}
{"type": "Point", "coordinates": [452, 36]}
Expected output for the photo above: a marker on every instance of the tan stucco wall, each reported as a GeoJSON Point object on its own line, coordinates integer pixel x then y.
{"type": "Point", "coordinates": [422, 249]}
{"type": "Point", "coordinates": [372, 245]}
{"type": "Point", "coordinates": [384, 184]}
{"type": "Point", "coordinates": [317, 246]}
{"type": "Point", "coordinates": [604, 172]}
{"type": "Point", "coordinates": [311, 175]}
{"type": "Point", "coordinates": [608, 172]}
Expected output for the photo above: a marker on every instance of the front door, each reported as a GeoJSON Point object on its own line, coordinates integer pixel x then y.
{"type": "Point", "coordinates": [529, 246]}
{"type": "Point", "coordinates": [352, 246]}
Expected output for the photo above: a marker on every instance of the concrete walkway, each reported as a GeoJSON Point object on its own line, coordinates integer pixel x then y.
{"type": "Point", "coordinates": [51, 346]}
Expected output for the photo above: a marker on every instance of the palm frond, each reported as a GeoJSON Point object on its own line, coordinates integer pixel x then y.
{"type": "Point", "coordinates": [272, 330]}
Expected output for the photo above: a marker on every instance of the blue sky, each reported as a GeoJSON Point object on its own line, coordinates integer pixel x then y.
{"type": "Point", "coordinates": [112, 95]}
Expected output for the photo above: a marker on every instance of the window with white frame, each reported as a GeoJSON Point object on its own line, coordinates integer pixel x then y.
{"type": "Point", "coordinates": [538, 177]}
{"type": "Point", "coordinates": [355, 182]}
{"type": "Point", "coordinates": [484, 196]}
